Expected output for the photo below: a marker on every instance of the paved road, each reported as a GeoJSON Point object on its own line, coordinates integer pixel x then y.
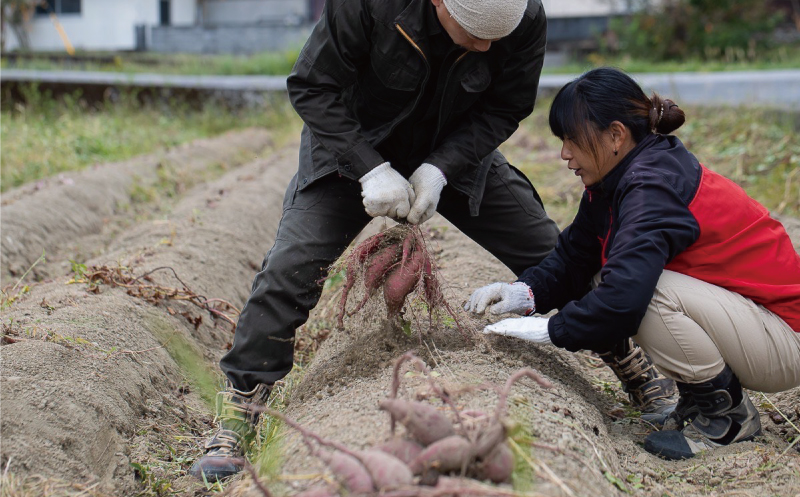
{"type": "Point", "coordinates": [778, 88]}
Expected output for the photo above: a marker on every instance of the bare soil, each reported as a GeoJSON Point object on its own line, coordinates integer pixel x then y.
{"type": "Point", "coordinates": [104, 392]}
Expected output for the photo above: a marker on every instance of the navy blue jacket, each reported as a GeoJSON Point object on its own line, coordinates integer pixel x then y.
{"type": "Point", "coordinates": [660, 208]}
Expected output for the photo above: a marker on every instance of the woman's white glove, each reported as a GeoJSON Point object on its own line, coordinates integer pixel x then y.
{"type": "Point", "coordinates": [428, 181]}
{"type": "Point", "coordinates": [386, 192]}
{"type": "Point", "coordinates": [514, 297]}
{"type": "Point", "coordinates": [531, 328]}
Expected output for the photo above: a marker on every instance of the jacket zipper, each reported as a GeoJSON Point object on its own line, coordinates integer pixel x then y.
{"type": "Point", "coordinates": [424, 81]}
{"type": "Point", "coordinates": [444, 93]}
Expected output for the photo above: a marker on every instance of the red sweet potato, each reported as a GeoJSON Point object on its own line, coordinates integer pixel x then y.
{"type": "Point", "coordinates": [377, 269]}
{"type": "Point", "coordinates": [448, 454]}
{"type": "Point", "coordinates": [386, 470]}
{"type": "Point", "coordinates": [401, 282]}
{"type": "Point", "coordinates": [349, 471]}
{"type": "Point", "coordinates": [368, 247]}
{"type": "Point", "coordinates": [490, 437]}
{"type": "Point", "coordinates": [497, 466]}
{"type": "Point", "coordinates": [401, 448]}
{"type": "Point", "coordinates": [424, 423]}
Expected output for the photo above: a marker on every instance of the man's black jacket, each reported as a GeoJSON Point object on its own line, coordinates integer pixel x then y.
{"type": "Point", "coordinates": [362, 72]}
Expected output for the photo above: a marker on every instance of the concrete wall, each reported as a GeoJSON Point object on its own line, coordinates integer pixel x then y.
{"type": "Point", "coordinates": [584, 8]}
{"type": "Point", "coordinates": [217, 12]}
{"type": "Point", "coordinates": [101, 25]}
{"type": "Point", "coordinates": [183, 12]}
{"type": "Point", "coordinates": [227, 39]}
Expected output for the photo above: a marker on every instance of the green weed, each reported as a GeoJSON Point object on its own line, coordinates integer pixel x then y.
{"type": "Point", "coordinates": [44, 136]}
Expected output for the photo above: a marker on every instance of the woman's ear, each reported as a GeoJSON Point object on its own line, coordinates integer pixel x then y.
{"type": "Point", "coordinates": [619, 135]}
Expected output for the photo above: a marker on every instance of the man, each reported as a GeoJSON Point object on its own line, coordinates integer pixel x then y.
{"type": "Point", "coordinates": [405, 103]}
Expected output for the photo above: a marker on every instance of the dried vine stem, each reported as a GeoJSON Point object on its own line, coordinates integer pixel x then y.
{"type": "Point", "coordinates": [143, 287]}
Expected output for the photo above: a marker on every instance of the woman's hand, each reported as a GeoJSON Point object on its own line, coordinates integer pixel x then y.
{"type": "Point", "coordinates": [531, 328]}
{"type": "Point", "coordinates": [500, 298]}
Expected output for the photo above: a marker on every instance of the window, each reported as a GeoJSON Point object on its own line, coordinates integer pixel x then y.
{"type": "Point", "coordinates": [164, 11]}
{"type": "Point", "coordinates": [59, 7]}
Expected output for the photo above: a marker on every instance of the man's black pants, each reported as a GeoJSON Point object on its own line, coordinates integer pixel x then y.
{"type": "Point", "coordinates": [318, 224]}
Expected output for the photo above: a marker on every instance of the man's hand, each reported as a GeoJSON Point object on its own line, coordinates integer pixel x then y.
{"type": "Point", "coordinates": [386, 192]}
{"type": "Point", "coordinates": [507, 297]}
{"type": "Point", "coordinates": [531, 328]}
{"type": "Point", "coordinates": [428, 181]}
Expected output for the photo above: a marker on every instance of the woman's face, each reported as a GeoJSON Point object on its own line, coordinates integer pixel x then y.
{"type": "Point", "coordinates": [613, 144]}
{"type": "Point", "coordinates": [582, 163]}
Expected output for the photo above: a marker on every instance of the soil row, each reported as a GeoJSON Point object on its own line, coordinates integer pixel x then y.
{"type": "Point", "coordinates": [73, 214]}
{"type": "Point", "coordinates": [90, 371]}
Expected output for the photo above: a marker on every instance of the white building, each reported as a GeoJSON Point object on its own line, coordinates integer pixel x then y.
{"type": "Point", "coordinates": [109, 25]}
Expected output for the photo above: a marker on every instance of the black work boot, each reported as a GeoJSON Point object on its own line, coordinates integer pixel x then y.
{"type": "Point", "coordinates": [653, 394]}
{"type": "Point", "coordinates": [236, 422]}
{"type": "Point", "coordinates": [726, 415]}
{"type": "Point", "coordinates": [685, 411]}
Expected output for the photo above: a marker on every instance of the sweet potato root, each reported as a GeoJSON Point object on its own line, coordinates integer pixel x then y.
{"type": "Point", "coordinates": [401, 448]}
{"type": "Point", "coordinates": [453, 453]}
{"type": "Point", "coordinates": [497, 466]}
{"type": "Point", "coordinates": [348, 470]}
{"type": "Point", "coordinates": [424, 423]}
{"type": "Point", "coordinates": [386, 470]}
{"type": "Point", "coordinates": [399, 261]}
{"type": "Point", "coordinates": [401, 282]}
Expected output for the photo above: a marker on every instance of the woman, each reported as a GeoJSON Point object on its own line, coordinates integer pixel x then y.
{"type": "Point", "coordinates": [677, 256]}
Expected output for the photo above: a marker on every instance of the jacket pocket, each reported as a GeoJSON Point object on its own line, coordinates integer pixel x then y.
{"type": "Point", "coordinates": [389, 84]}
{"type": "Point", "coordinates": [476, 80]}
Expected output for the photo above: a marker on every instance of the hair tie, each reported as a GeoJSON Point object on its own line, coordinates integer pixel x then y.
{"type": "Point", "coordinates": [660, 115]}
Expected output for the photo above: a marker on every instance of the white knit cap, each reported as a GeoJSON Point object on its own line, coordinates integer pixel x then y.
{"type": "Point", "coordinates": [487, 19]}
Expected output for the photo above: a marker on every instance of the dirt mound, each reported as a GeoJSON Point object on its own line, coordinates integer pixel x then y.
{"type": "Point", "coordinates": [94, 381]}
{"type": "Point", "coordinates": [60, 214]}
{"type": "Point", "coordinates": [83, 371]}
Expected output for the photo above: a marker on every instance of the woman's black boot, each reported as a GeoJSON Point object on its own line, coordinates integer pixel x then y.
{"type": "Point", "coordinates": [726, 415]}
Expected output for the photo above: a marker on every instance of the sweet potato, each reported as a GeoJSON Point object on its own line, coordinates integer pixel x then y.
{"type": "Point", "coordinates": [490, 437]}
{"type": "Point", "coordinates": [401, 282]}
{"type": "Point", "coordinates": [401, 448]}
{"type": "Point", "coordinates": [424, 423]}
{"type": "Point", "coordinates": [448, 454]}
{"type": "Point", "coordinates": [349, 471]}
{"type": "Point", "coordinates": [497, 466]}
{"type": "Point", "coordinates": [386, 470]}
{"type": "Point", "coordinates": [377, 269]}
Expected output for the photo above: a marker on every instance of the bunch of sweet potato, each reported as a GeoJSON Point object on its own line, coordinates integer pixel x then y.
{"type": "Point", "coordinates": [436, 447]}
{"type": "Point", "coordinates": [397, 261]}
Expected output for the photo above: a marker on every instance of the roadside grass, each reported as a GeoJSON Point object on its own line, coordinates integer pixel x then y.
{"type": "Point", "coordinates": [785, 56]}
{"type": "Point", "coordinates": [262, 64]}
{"type": "Point", "coordinates": [756, 148]}
{"type": "Point", "coordinates": [45, 136]}
{"type": "Point", "coordinates": [780, 57]}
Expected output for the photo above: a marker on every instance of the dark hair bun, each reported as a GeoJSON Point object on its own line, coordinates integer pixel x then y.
{"type": "Point", "coordinates": [665, 115]}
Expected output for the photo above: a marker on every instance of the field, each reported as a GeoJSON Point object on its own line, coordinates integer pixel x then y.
{"type": "Point", "coordinates": [122, 269]}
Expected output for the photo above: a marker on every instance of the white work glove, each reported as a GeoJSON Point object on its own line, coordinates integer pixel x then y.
{"type": "Point", "coordinates": [530, 328]}
{"type": "Point", "coordinates": [507, 297]}
{"type": "Point", "coordinates": [386, 192]}
{"type": "Point", "coordinates": [428, 181]}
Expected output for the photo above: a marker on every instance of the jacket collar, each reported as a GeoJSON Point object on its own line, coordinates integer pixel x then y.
{"type": "Point", "coordinates": [419, 20]}
{"type": "Point", "coordinates": [608, 185]}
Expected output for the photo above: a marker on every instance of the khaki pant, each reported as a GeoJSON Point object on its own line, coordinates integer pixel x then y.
{"type": "Point", "coordinates": [693, 328]}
